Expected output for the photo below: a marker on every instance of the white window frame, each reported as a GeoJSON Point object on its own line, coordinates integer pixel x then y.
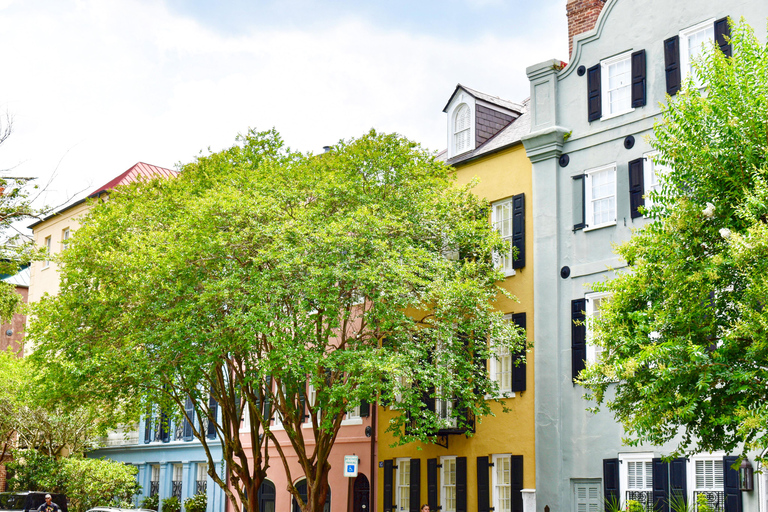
{"type": "Point", "coordinates": [402, 484]}
{"type": "Point", "coordinates": [504, 261]}
{"type": "Point", "coordinates": [625, 460]}
{"type": "Point", "coordinates": [65, 239]}
{"type": "Point", "coordinates": [651, 173]}
{"type": "Point", "coordinates": [353, 416]}
{"type": "Point", "coordinates": [154, 473]}
{"type": "Point", "coordinates": [178, 473]}
{"type": "Point", "coordinates": [500, 462]}
{"type": "Point", "coordinates": [496, 365]}
{"type": "Point", "coordinates": [455, 131]}
{"type": "Point", "coordinates": [717, 459]}
{"type": "Point", "coordinates": [605, 66]}
{"type": "Point", "coordinates": [593, 351]}
{"type": "Point", "coordinates": [448, 483]}
{"type": "Point", "coordinates": [685, 58]}
{"type": "Point", "coordinates": [47, 262]}
{"type": "Point", "coordinates": [202, 471]}
{"type": "Point", "coordinates": [589, 212]}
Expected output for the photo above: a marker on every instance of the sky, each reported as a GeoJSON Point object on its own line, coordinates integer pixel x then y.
{"type": "Point", "coordinates": [95, 86]}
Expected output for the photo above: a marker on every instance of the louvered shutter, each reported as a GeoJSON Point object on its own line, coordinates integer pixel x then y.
{"type": "Point", "coordinates": [267, 414]}
{"type": "Point", "coordinates": [578, 336]}
{"type": "Point", "coordinates": [165, 428]}
{"type": "Point", "coordinates": [611, 489]}
{"type": "Point", "coordinates": [415, 489]}
{"type": "Point", "coordinates": [660, 486]}
{"type": "Point", "coordinates": [148, 429]}
{"type": "Point", "coordinates": [213, 407]}
{"type": "Point", "coordinates": [579, 213]}
{"type": "Point", "coordinates": [672, 64]}
{"type": "Point", "coordinates": [518, 372]}
{"type": "Point", "coordinates": [189, 409]}
{"type": "Point", "coordinates": [587, 497]}
{"type": "Point", "coordinates": [678, 484]}
{"type": "Point", "coordinates": [723, 35]}
{"type": "Point", "coordinates": [636, 188]}
{"type": "Point", "coordinates": [518, 230]}
{"type": "Point", "coordinates": [365, 409]}
{"type": "Point", "coordinates": [302, 406]}
{"type": "Point", "coordinates": [638, 79]}
{"type": "Point", "coordinates": [388, 479]}
{"type": "Point", "coordinates": [733, 501]}
{"type": "Point", "coordinates": [432, 483]}
{"type": "Point", "coordinates": [516, 481]}
{"type": "Point", "coordinates": [594, 101]}
{"type": "Point", "coordinates": [483, 485]}
{"type": "Point", "coordinates": [461, 485]}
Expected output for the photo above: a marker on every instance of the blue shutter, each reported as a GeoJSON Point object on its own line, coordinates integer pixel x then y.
{"type": "Point", "coordinates": [678, 484]}
{"type": "Point", "coordinates": [723, 31]}
{"type": "Point", "coordinates": [611, 491]}
{"type": "Point", "coordinates": [731, 485]}
{"type": "Point", "coordinates": [148, 429]}
{"type": "Point", "coordinates": [594, 101]}
{"type": "Point", "coordinates": [636, 188]}
{"type": "Point", "coordinates": [638, 79]}
{"type": "Point", "coordinates": [578, 337]}
{"type": "Point", "coordinates": [165, 428]}
{"type": "Point", "coordinates": [189, 409]}
{"type": "Point", "coordinates": [672, 64]}
{"type": "Point", "coordinates": [213, 408]}
{"type": "Point", "coordinates": [518, 230]}
{"type": "Point", "coordinates": [483, 485]}
{"type": "Point", "coordinates": [518, 372]}
{"type": "Point", "coordinates": [660, 486]}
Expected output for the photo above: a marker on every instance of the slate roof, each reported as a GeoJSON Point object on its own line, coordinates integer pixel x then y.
{"type": "Point", "coordinates": [509, 105]}
{"type": "Point", "coordinates": [20, 279]}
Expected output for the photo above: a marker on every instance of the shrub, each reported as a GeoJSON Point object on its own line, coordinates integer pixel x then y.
{"type": "Point", "coordinates": [151, 502]}
{"type": "Point", "coordinates": [171, 504]}
{"type": "Point", "coordinates": [196, 503]}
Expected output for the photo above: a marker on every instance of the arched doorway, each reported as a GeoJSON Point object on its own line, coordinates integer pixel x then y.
{"type": "Point", "coordinates": [302, 488]}
{"type": "Point", "coordinates": [362, 494]}
{"type": "Point", "coordinates": [267, 496]}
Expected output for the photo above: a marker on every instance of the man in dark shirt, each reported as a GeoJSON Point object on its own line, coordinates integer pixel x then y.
{"type": "Point", "coordinates": [48, 506]}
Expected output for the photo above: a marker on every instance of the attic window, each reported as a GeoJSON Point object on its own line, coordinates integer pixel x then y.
{"type": "Point", "coordinates": [461, 127]}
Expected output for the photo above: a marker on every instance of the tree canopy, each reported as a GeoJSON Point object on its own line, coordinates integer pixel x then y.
{"type": "Point", "coordinates": [264, 283]}
{"type": "Point", "coordinates": [686, 330]}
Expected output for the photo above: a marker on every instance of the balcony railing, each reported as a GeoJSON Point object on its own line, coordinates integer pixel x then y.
{"type": "Point", "coordinates": [201, 487]}
{"type": "Point", "coordinates": [176, 488]}
{"type": "Point", "coordinates": [715, 499]}
{"type": "Point", "coordinates": [645, 498]}
{"type": "Point", "coordinates": [154, 488]}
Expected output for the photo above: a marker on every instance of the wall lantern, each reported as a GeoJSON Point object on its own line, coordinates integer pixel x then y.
{"type": "Point", "coordinates": [746, 476]}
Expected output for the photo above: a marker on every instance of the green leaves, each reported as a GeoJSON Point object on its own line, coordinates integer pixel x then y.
{"type": "Point", "coordinates": [684, 332]}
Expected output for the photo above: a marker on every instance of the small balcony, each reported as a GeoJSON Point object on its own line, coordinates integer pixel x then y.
{"type": "Point", "coordinates": [715, 499]}
{"type": "Point", "coordinates": [201, 487]}
{"type": "Point", "coordinates": [644, 498]}
{"type": "Point", "coordinates": [176, 488]}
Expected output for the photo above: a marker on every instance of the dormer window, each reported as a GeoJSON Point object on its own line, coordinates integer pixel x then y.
{"type": "Point", "coordinates": [461, 129]}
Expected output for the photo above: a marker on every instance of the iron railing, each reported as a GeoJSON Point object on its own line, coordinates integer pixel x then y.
{"type": "Point", "coordinates": [176, 488]}
{"type": "Point", "coordinates": [645, 498]}
{"type": "Point", "coordinates": [201, 487]}
{"type": "Point", "coordinates": [154, 488]}
{"type": "Point", "coordinates": [715, 499]}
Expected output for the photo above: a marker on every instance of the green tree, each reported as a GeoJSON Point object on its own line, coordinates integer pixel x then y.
{"type": "Point", "coordinates": [31, 470]}
{"type": "Point", "coordinates": [686, 331]}
{"type": "Point", "coordinates": [11, 380]}
{"type": "Point", "coordinates": [98, 483]}
{"type": "Point", "coordinates": [297, 285]}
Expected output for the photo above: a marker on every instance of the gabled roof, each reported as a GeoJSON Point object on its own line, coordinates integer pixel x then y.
{"type": "Point", "coordinates": [140, 171]}
{"type": "Point", "coordinates": [495, 100]}
{"type": "Point", "coordinates": [137, 172]}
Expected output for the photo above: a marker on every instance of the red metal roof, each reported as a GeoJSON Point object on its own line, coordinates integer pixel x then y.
{"type": "Point", "coordinates": [140, 171]}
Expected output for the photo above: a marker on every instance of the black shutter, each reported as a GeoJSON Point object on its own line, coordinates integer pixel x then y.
{"type": "Point", "coordinates": [731, 485]}
{"type": "Point", "coordinates": [678, 485]}
{"type": "Point", "coordinates": [213, 407]}
{"type": "Point", "coordinates": [415, 489]}
{"type": "Point", "coordinates": [388, 478]}
{"type": "Point", "coordinates": [660, 486]}
{"type": "Point", "coordinates": [461, 485]}
{"type": "Point", "coordinates": [365, 409]}
{"type": "Point", "coordinates": [638, 79]}
{"type": "Point", "coordinates": [518, 229]}
{"type": "Point", "coordinates": [611, 489]}
{"type": "Point", "coordinates": [189, 409]}
{"type": "Point", "coordinates": [165, 428]}
{"type": "Point", "coordinates": [594, 101]}
{"type": "Point", "coordinates": [267, 414]}
{"type": "Point", "coordinates": [483, 485]}
{"type": "Point", "coordinates": [148, 429]}
{"type": "Point", "coordinates": [579, 213]}
{"type": "Point", "coordinates": [302, 406]}
{"type": "Point", "coordinates": [432, 483]}
{"type": "Point", "coordinates": [518, 372]}
{"type": "Point", "coordinates": [578, 337]}
{"type": "Point", "coordinates": [723, 32]}
{"type": "Point", "coordinates": [672, 64]}
{"type": "Point", "coordinates": [516, 480]}
{"type": "Point", "coordinates": [636, 188]}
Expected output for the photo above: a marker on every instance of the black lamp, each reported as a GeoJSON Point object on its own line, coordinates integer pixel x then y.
{"type": "Point", "coordinates": [746, 476]}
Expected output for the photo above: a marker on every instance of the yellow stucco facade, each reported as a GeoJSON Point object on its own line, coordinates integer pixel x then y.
{"type": "Point", "coordinates": [501, 175]}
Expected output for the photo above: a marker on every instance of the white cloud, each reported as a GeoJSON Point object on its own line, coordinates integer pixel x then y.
{"type": "Point", "coordinates": [107, 84]}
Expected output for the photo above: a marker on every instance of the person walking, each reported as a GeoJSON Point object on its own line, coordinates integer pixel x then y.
{"type": "Point", "coordinates": [48, 506]}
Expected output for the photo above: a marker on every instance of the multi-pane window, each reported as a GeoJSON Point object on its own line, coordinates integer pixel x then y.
{"type": "Point", "coordinates": [502, 483]}
{"type": "Point", "coordinates": [651, 172]}
{"type": "Point", "coordinates": [637, 481]}
{"type": "Point", "coordinates": [616, 76]}
{"type": "Point", "coordinates": [444, 410]}
{"type": "Point", "coordinates": [65, 239]}
{"type": "Point", "coordinates": [154, 482]}
{"type": "Point", "coordinates": [595, 302]}
{"type": "Point", "coordinates": [600, 196]}
{"type": "Point", "coordinates": [693, 41]}
{"type": "Point", "coordinates": [201, 483]}
{"type": "Point", "coordinates": [448, 484]}
{"type": "Point", "coordinates": [501, 367]}
{"type": "Point", "coordinates": [176, 483]}
{"type": "Point", "coordinates": [461, 130]}
{"type": "Point", "coordinates": [403, 484]}
{"type": "Point", "coordinates": [503, 223]}
{"type": "Point", "coordinates": [708, 481]}
{"type": "Point", "coordinates": [47, 262]}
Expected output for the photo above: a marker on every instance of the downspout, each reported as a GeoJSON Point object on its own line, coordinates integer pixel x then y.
{"type": "Point", "coordinates": [372, 501]}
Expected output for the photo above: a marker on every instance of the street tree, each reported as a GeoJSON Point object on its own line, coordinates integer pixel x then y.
{"type": "Point", "coordinates": [685, 334]}
{"type": "Point", "coordinates": [267, 284]}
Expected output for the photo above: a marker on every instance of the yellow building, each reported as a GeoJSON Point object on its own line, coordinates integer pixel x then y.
{"type": "Point", "coordinates": [494, 469]}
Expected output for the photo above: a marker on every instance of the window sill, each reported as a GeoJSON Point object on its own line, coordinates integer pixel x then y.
{"type": "Point", "coordinates": [599, 226]}
{"type": "Point", "coordinates": [352, 421]}
{"type": "Point", "coordinates": [617, 114]}
{"type": "Point", "coordinates": [501, 397]}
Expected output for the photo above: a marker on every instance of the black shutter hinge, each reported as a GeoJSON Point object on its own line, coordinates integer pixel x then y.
{"type": "Point", "coordinates": [394, 467]}
{"type": "Point", "coordinates": [490, 466]}
{"type": "Point", "coordinates": [439, 466]}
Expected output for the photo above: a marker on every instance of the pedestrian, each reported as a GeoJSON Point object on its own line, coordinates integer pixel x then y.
{"type": "Point", "coordinates": [425, 508]}
{"type": "Point", "coordinates": [48, 506]}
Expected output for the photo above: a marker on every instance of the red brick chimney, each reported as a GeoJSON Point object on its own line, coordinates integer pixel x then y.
{"type": "Point", "coordinates": [582, 17]}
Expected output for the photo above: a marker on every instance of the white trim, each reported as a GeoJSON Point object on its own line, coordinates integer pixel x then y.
{"type": "Point", "coordinates": [444, 487]}
{"type": "Point", "coordinates": [589, 213]}
{"type": "Point", "coordinates": [685, 60]}
{"type": "Point", "coordinates": [504, 262]}
{"type": "Point", "coordinates": [405, 488]}
{"type": "Point", "coordinates": [493, 369]}
{"type": "Point", "coordinates": [690, 471]}
{"type": "Point", "coordinates": [605, 66]}
{"type": "Point", "coordinates": [651, 173]}
{"type": "Point", "coordinates": [460, 100]}
{"type": "Point", "coordinates": [624, 460]}
{"type": "Point", "coordinates": [499, 460]}
{"type": "Point", "coordinates": [593, 351]}
{"type": "Point", "coordinates": [47, 243]}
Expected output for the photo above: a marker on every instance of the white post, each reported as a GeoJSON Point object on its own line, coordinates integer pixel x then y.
{"type": "Point", "coordinates": [529, 500]}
